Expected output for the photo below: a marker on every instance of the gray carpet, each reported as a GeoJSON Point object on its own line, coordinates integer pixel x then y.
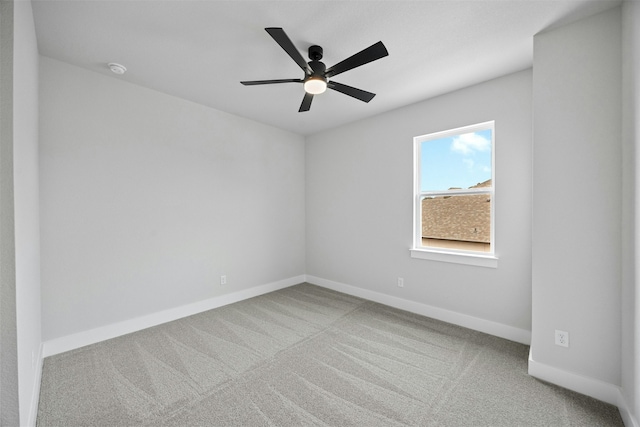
{"type": "Point", "coordinates": [306, 356]}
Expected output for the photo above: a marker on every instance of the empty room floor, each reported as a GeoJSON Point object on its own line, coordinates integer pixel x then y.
{"type": "Point", "coordinates": [306, 356]}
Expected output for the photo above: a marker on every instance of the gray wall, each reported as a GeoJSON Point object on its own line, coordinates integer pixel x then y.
{"type": "Point", "coordinates": [146, 200]}
{"type": "Point", "coordinates": [359, 204]}
{"type": "Point", "coordinates": [577, 200]}
{"type": "Point", "coordinates": [27, 219]}
{"type": "Point", "coordinates": [630, 218]}
{"type": "Point", "coordinates": [9, 410]}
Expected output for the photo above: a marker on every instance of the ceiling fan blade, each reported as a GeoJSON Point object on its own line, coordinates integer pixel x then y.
{"type": "Point", "coordinates": [373, 52]}
{"type": "Point", "coordinates": [306, 102]}
{"type": "Point", "coordinates": [285, 43]}
{"type": "Point", "coordinates": [269, 82]}
{"type": "Point", "coordinates": [360, 94]}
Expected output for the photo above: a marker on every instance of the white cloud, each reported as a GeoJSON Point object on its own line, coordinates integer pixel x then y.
{"type": "Point", "coordinates": [469, 143]}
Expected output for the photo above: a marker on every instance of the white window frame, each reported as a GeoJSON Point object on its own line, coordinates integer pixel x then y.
{"type": "Point", "coordinates": [477, 258]}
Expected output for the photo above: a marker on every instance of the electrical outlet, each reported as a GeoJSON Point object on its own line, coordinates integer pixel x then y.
{"type": "Point", "coordinates": [400, 282]}
{"type": "Point", "coordinates": [562, 338]}
{"type": "Point", "coordinates": [223, 280]}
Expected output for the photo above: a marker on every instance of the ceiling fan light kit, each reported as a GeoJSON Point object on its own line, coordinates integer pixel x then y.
{"type": "Point", "coordinates": [316, 74]}
{"type": "Point", "coordinates": [315, 85]}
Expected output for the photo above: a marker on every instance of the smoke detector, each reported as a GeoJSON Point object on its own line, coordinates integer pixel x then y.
{"type": "Point", "coordinates": [117, 68]}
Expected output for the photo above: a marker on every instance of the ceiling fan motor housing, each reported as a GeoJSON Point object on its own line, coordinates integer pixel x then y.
{"type": "Point", "coordinates": [315, 53]}
{"type": "Point", "coordinates": [318, 68]}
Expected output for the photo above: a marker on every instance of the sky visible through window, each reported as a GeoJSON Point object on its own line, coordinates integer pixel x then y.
{"type": "Point", "coordinates": [460, 161]}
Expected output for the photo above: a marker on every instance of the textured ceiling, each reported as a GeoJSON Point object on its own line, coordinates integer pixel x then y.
{"type": "Point", "coordinates": [201, 50]}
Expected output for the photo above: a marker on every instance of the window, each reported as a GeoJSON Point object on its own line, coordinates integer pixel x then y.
{"type": "Point", "coordinates": [454, 195]}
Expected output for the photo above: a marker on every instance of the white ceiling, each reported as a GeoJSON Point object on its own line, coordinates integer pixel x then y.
{"type": "Point", "coordinates": [201, 50]}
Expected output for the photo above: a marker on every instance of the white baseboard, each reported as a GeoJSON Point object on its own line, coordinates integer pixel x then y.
{"type": "Point", "coordinates": [592, 387]}
{"type": "Point", "coordinates": [92, 336]}
{"type": "Point", "coordinates": [487, 326]}
{"type": "Point", "coordinates": [35, 392]}
{"type": "Point", "coordinates": [626, 413]}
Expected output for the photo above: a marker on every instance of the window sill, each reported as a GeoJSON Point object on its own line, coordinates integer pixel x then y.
{"type": "Point", "coordinates": [490, 261]}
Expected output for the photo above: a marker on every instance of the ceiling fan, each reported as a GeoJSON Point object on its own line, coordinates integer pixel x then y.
{"type": "Point", "coordinates": [317, 75]}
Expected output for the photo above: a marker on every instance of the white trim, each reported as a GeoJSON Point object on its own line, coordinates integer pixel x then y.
{"type": "Point", "coordinates": [482, 325]}
{"type": "Point", "coordinates": [592, 387]}
{"type": "Point", "coordinates": [92, 336]}
{"type": "Point", "coordinates": [455, 132]}
{"type": "Point", "coordinates": [627, 415]}
{"type": "Point", "coordinates": [458, 192]}
{"type": "Point", "coordinates": [475, 259]}
{"type": "Point", "coordinates": [35, 393]}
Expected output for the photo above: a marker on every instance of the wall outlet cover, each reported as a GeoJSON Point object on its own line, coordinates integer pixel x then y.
{"type": "Point", "coordinates": [562, 338]}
